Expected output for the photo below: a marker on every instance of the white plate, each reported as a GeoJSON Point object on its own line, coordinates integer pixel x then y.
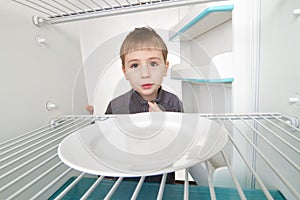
{"type": "Point", "coordinates": [143, 144]}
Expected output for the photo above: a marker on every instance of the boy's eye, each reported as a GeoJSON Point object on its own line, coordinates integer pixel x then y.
{"type": "Point", "coordinates": [153, 64]}
{"type": "Point", "coordinates": [134, 66]}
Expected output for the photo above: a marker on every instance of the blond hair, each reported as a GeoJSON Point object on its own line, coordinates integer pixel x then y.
{"type": "Point", "coordinates": [144, 38]}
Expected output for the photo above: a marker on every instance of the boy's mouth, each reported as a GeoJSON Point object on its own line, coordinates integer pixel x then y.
{"type": "Point", "coordinates": [147, 85]}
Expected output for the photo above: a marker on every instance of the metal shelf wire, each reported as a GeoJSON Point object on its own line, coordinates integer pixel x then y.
{"type": "Point", "coordinates": [31, 169]}
{"type": "Point", "coordinates": [60, 11]}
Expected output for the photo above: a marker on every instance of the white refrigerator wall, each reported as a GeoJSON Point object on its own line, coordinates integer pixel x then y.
{"type": "Point", "coordinates": [31, 75]}
{"type": "Point", "coordinates": [266, 49]}
{"type": "Point", "coordinates": [101, 40]}
{"type": "Point", "coordinates": [279, 80]}
{"type": "Point", "coordinates": [279, 58]}
{"type": "Point", "coordinates": [266, 56]}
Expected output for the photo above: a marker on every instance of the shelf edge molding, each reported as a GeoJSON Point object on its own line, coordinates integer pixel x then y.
{"type": "Point", "coordinates": [202, 19]}
{"type": "Point", "coordinates": [219, 70]}
{"type": "Point", "coordinates": [224, 80]}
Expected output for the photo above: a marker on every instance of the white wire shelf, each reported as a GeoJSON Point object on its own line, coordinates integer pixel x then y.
{"type": "Point", "coordinates": [59, 11]}
{"type": "Point", "coordinates": [31, 169]}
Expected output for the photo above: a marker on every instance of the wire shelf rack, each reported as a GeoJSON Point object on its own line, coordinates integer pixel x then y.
{"type": "Point", "coordinates": [60, 11]}
{"type": "Point", "coordinates": [30, 167]}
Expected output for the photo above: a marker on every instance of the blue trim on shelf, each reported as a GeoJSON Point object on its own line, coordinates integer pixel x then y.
{"type": "Point", "coordinates": [224, 80]}
{"type": "Point", "coordinates": [224, 8]}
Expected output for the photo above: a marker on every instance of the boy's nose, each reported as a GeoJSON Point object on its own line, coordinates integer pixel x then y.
{"type": "Point", "coordinates": [145, 71]}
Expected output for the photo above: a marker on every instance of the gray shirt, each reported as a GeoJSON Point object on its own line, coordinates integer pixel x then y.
{"type": "Point", "coordinates": [131, 102]}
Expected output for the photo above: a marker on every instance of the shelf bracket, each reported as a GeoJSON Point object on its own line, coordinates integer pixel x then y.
{"type": "Point", "coordinates": [296, 12]}
{"type": "Point", "coordinates": [38, 21]}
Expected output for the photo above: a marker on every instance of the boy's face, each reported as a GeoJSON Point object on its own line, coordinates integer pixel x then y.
{"type": "Point", "coordinates": [145, 70]}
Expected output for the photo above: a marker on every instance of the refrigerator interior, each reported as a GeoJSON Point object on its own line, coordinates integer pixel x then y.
{"type": "Point", "coordinates": [47, 76]}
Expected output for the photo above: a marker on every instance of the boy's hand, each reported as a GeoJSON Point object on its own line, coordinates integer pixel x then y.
{"type": "Point", "coordinates": [153, 107]}
{"type": "Point", "coordinates": [90, 109]}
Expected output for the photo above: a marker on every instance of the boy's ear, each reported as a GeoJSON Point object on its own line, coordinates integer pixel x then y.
{"type": "Point", "coordinates": [166, 68]}
{"type": "Point", "coordinates": [124, 72]}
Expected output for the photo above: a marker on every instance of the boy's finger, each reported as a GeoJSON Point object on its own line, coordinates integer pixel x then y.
{"type": "Point", "coordinates": [90, 109]}
{"type": "Point", "coordinates": [153, 107]}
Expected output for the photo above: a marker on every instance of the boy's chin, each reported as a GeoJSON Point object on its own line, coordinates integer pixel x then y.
{"type": "Point", "coordinates": [148, 94]}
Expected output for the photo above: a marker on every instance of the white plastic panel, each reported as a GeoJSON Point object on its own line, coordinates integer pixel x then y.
{"type": "Point", "coordinates": [31, 75]}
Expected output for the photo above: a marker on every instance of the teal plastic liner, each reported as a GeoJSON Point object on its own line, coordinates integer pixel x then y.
{"type": "Point", "coordinates": [150, 191]}
{"type": "Point", "coordinates": [225, 80]}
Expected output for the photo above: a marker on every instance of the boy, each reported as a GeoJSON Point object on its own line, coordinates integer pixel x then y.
{"type": "Point", "coordinates": [144, 64]}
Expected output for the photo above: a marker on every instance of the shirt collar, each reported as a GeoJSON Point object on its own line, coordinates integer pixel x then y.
{"type": "Point", "coordinates": [137, 97]}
